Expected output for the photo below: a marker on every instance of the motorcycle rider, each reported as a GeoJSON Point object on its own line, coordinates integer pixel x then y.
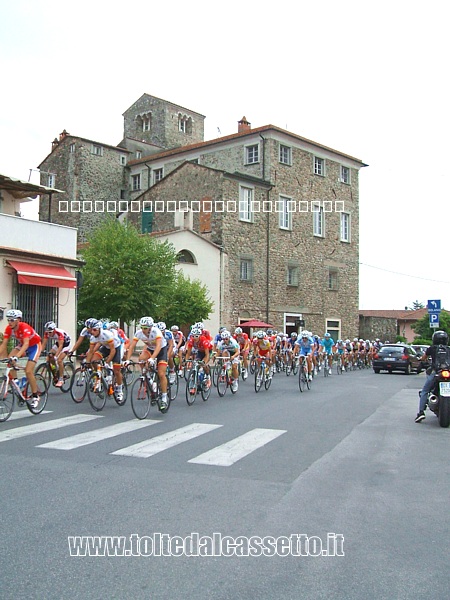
{"type": "Point", "coordinates": [440, 338]}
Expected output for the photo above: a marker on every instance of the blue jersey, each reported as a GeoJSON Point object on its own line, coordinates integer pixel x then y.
{"type": "Point", "coordinates": [305, 345]}
{"type": "Point", "coordinates": [328, 344]}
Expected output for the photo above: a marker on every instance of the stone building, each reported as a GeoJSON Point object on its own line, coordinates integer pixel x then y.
{"type": "Point", "coordinates": [284, 209]}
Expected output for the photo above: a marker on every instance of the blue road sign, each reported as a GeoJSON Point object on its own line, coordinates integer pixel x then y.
{"type": "Point", "coordinates": [434, 306]}
{"type": "Point", "coordinates": [434, 319]}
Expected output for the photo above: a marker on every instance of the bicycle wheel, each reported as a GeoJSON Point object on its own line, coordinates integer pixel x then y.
{"type": "Point", "coordinates": [307, 380]}
{"type": "Point", "coordinates": [244, 373]}
{"type": "Point", "coordinates": [191, 387]}
{"type": "Point", "coordinates": [140, 398]}
{"type": "Point", "coordinates": [294, 366]}
{"type": "Point", "coordinates": [259, 378]}
{"type": "Point", "coordinates": [267, 381]}
{"type": "Point", "coordinates": [97, 391]}
{"type": "Point", "coordinates": [206, 389]}
{"type": "Point", "coordinates": [78, 387]}
{"type": "Point", "coordinates": [339, 367]}
{"type": "Point", "coordinates": [44, 371]}
{"type": "Point", "coordinates": [129, 372]}
{"type": "Point", "coordinates": [252, 366]}
{"type": "Point", "coordinates": [222, 383]}
{"type": "Point", "coordinates": [172, 387]}
{"type": "Point", "coordinates": [187, 369]}
{"type": "Point", "coordinates": [301, 378]}
{"type": "Point", "coordinates": [43, 395]}
{"type": "Point", "coordinates": [288, 367]}
{"type": "Point", "coordinates": [6, 400]}
{"type": "Point", "coordinates": [325, 369]}
{"type": "Point", "coordinates": [67, 376]}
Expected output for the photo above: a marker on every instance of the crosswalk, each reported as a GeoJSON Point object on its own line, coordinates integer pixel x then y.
{"type": "Point", "coordinates": [223, 455]}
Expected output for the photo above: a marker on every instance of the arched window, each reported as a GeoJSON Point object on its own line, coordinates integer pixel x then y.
{"type": "Point", "coordinates": [184, 256]}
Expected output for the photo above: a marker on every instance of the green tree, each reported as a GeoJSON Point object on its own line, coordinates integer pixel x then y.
{"type": "Point", "coordinates": [126, 275]}
{"type": "Point", "coordinates": [423, 330]}
{"type": "Point", "coordinates": [189, 302]}
{"type": "Point", "coordinates": [416, 305]}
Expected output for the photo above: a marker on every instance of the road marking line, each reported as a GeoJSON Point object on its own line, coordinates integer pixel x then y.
{"type": "Point", "coordinates": [21, 414]}
{"type": "Point", "coordinates": [19, 432]}
{"type": "Point", "coordinates": [97, 435]}
{"type": "Point", "coordinates": [229, 453]}
{"type": "Point", "coordinates": [167, 440]}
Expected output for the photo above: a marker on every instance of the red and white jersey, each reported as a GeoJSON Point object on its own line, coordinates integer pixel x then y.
{"type": "Point", "coordinates": [22, 331]}
{"type": "Point", "coordinates": [150, 339]}
{"type": "Point", "coordinates": [56, 336]}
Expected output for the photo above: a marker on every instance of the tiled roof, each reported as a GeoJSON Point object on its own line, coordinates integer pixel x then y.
{"type": "Point", "coordinates": [401, 315]}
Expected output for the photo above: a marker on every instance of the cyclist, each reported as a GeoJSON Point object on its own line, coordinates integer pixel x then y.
{"type": "Point", "coordinates": [244, 347]}
{"type": "Point", "coordinates": [290, 341]}
{"type": "Point", "coordinates": [28, 343]}
{"type": "Point", "coordinates": [200, 345]}
{"type": "Point", "coordinates": [327, 346]}
{"type": "Point", "coordinates": [170, 349]}
{"type": "Point", "coordinates": [304, 347]}
{"type": "Point", "coordinates": [341, 350]}
{"type": "Point", "coordinates": [85, 334]}
{"type": "Point", "coordinates": [59, 350]}
{"type": "Point", "coordinates": [115, 328]}
{"type": "Point", "coordinates": [228, 346]}
{"type": "Point", "coordinates": [106, 344]}
{"type": "Point", "coordinates": [155, 349]}
{"type": "Point", "coordinates": [263, 349]}
{"type": "Point", "coordinates": [178, 344]}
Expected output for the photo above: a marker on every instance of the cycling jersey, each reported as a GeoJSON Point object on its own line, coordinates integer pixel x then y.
{"type": "Point", "coordinates": [22, 331]}
{"type": "Point", "coordinates": [263, 345]}
{"type": "Point", "coordinates": [150, 340]}
{"type": "Point", "coordinates": [202, 343]}
{"type": "Point", "coordinates": [305, 345]}
{"type": "Point", "coordinates": [105, 338]}
{"type": "Point", "coordinates": [56, 336]}
{"type": "Point", "coordinates": [328, 344]}
{"type": "Point", "coordinates": [242, 339]}
{"type": "Point", "coordinates": [230, 346]}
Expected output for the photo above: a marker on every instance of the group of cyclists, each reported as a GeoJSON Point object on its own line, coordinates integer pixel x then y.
{"type": "Point", "coordinates": [163, 346]}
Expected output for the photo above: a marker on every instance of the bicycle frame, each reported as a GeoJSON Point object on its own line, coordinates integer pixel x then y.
{"type": "Point", "coordinates": [11, 391]}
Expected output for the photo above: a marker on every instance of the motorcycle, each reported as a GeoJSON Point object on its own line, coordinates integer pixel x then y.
{"type": "Point", "coordinates": [439, 397]}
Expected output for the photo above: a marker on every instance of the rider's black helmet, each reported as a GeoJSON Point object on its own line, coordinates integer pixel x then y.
{"type": "Point", "coordinates": [440, 337]}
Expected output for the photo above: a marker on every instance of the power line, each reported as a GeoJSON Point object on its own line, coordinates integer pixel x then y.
{"type": "Point", "coordinates": [404, 274]}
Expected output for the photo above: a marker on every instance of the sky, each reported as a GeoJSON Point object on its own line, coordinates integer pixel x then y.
{"type": "Point", "coordinates": [368, 79]}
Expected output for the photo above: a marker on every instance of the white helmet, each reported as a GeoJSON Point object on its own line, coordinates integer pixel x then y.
{"type": "Point", "coordinates": [146, 322]}
{"type": "Point", "coordinates": [238, 330]}
{"type": "Point", "coordinates": [225, 334]}
{"type": "Point", "coordinates": [50, 326]}
{"type": "Point", "coordinates": [161, 326]}
{"type": "Point", "coordinates": [260, 335]}
{"type": "Point", "coordinates": [14, 314]}
{"type": "Point", "coordinates": [174, 328]}
{"type": "Point", "coordinates": [113, 325]}
{"type": "Point", "coordinates": [196, 331]}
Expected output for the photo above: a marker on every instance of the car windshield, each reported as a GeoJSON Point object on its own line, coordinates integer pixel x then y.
{"type": "Point", "coordinates": [390, 350]}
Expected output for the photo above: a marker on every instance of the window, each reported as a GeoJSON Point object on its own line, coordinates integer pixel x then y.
{"type": "Point", "coordinates": [97, 150]}
{"type": "Point", "coordinates": [345, 174]}
{"type": "Point", "coordinates": [333, 327]}
{"type": "Point", "coordinates": [285, 155]}
{"type": "Point", "coordinates": [318, 219]}
{"type": "Point", "coordinates": [319, 166]}
{"type": "Point", "coordinates": [333, 283]}
{"type": "Point", "coordinates": [122, 194]}
{"type": "Point", "coordinates": [184, 124]}
{"type": "Point", "coordinates": [181, 125]}
{"type": "Point", "coordinates": [138, 153]}
{"type": "Point", "coordinates": [185, 256]}
{"type": "Point", "coordinates": [136, 182]}
{"type": "Point", "coordinates": [72, 148]}
{"type": "Point", "coordinates": [157, 175]}
{"type": "Point", "coordinates": [285, 213]}
{"type": "Point", "coordinates": [246, 269]}
{"type": "Point", "coordinates": [252, 154]}
{"type": "Point", "coordinates": [146, 123]}
{"type": "Point", "coordinates": [51, 180]}
{"type": "Point", "coordinates": [292, 275]}
{"type": "Point", "coordinates": [345, 227]}
{"type": "Point", "coordinates": [245, 204]}
{"type": "Point", "coordinates": [123, 159]}
{"type": "Point", "coordinates": [38, 304]}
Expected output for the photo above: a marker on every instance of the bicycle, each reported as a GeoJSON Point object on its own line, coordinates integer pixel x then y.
{"type": "Point", "coordinates": [146, 392]}
{"type": "Point", "coordinates": [225, 377]}
{"type": "Point", "coordinates": [172, 383]}
{"type": "Point", "coordinates": [303, 375]}
{"type": "Point", "coordinates": [242, 371]}
{"type": "Point", "coordinates": [78, 385]}
{"type": "Point", "coordinates": [326, 365]}
{"type": "Point", "coordinates": [338, 359]}
{"type": "Point", "coordinates": [197, 382]}
{"type": "Point", "coordinates": [262, 375]}
{"type": "Point", "coordinates": [101, 383]}
{"type": "Point", "coordinates": [11, 391]}
{"type": "Point", "coordinates": [50, 372]}
{"type": "Point", "coordinates": [252, 363]}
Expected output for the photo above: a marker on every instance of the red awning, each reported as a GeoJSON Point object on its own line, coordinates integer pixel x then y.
{"type": "Point", "coordinates": [45, 275]}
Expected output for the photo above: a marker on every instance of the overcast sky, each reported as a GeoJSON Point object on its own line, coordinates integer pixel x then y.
{"type": "Point", "coordinates": [368, 79]}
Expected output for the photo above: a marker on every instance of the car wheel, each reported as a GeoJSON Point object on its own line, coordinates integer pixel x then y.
{"type": "Point", "coordinates": [408, 369]}
{"type": "Point", "coordinates": [376, 371]}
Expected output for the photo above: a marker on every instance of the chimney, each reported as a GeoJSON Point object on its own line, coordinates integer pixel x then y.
{"type": "Point", "coordinates": [244, 125]}
{"type": "Point", "coordinates": [62, 135]}
{"type": "Point", "coordinates": [55, 143]}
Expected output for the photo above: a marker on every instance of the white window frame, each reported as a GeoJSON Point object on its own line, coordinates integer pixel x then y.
{"type": "Point", "coordinates": [285, 155]}
{"type": "Point", "coordinates": [123, 159]}
{"type": "Point", "coordinates": [158, 174]}
{"type": "Point", "coordinates": [51, 180]}
{"type": "Point", "coordinates": [146, 123]}
{"type": "Point", "coordinates": [345, 175]}
{"type": "Point", "coordinates": [319, 166]}
{"type": "Point", "coordinates": [284, 215]}
{"type": "Point", "coordinates": [246, 195]}
{"type": "Point", "coordinates": [138, 153]}
{"type": "Point", "coordinates": [345, 227]}
{"type": "Point", "coordinates": [246, 269]}
{"type": "Point", "coordinates": [72, 148]}
{"type": "Point", "coordinates": [97, 150]}
{"type": "Point", "coordinates": [318, 219]}
{"type": "Point", "coordinates": [136, 182]}
{"type": "Point", "coordinates": [252, 154]}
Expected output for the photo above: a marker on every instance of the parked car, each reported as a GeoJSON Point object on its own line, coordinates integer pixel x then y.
{"type": "Point", "coordinates": [420, 349]}
{"type": "Point", "coordinates": [397, 357]}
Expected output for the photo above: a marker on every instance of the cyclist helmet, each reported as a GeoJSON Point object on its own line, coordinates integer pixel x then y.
{"type": "Point", "coordinates": [89, 323]}
{"type": "Point", "coordinates": [105, 324]}
{"type": "Point", "coordinates": [440, 337]}
{"type": "Point", "coordinates": [14, 314]}
{"type": "Point", "coordinates": [196, 331]}
{"type": "Point", "coordinates": [347, 341]}
{"type": "Point", "coordinates": [199, 325]}
{"type": "Point", "coordinates": [260, 335]}
{"type": "Point", "coordinates": [293, 335]}
{"type": "Point", "coordinates": [355, 339]}
{"type": "Point", "coordinates": [161, 326]}
{"type": "Point", "coordinates": [327, 335]}
{"type": "Point", "coordinates": [174, 328]}
{"type": "Point", "coordinates": [113, 325]}
{"type": "Point", "coordinates": [304, 334]}
{"type": "Point", "coordinates": [146, 322]}
{"type": "Point", "coordinates": [222, 329]}
{"type": "Point", "coordinates": [270, 332]}
{"type": "Point", "coordinates": [97, 325]}
{"type": "Point", "coordinates": [238, 330]}
{"type": "Point", "coordinates": [339, 342]}
{"type": "Point", "coordinates": [225, 335]}
{"type": "Point", "coordinates": [50, 326]}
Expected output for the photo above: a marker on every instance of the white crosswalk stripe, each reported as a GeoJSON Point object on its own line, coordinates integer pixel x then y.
{"type": "Point", "coordinates": [97, 435]}
{"type": "Point", "coordinates": [234, 450]}
{"type": "Point", "coordinates": [167, 440]}
{"type": "Point", "coordinates": [19, 432]}
{"type": "Point", "coordinates": [22, 414]}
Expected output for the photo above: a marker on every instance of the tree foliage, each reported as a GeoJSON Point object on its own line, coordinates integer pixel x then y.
{"type": "Point", "coordinates": [128, 275]}
{"type": "Point", "coordinates": [416, 305]}
{"type": "Point", "coordinates": [423, 330]}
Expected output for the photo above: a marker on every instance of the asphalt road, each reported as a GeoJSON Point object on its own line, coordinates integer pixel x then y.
{"type": "Point", "coordinates": [342, 468]}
